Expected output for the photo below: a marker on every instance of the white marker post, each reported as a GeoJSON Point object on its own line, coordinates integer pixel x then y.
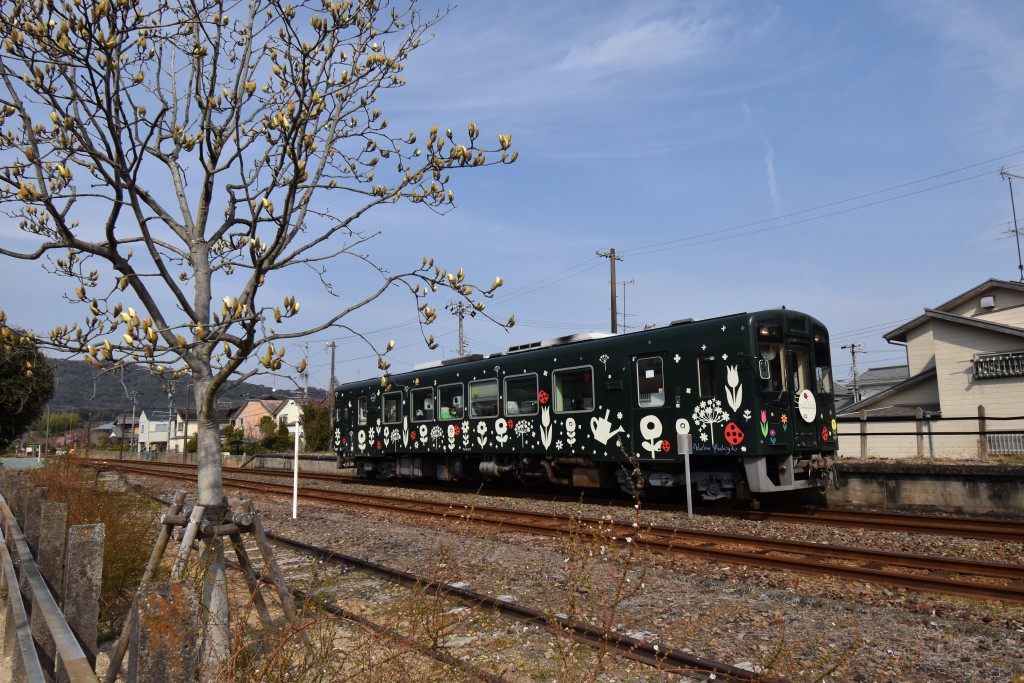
{"type": "Point", "coordinates": [685, 444]}
{"type": "Point", "coordinates": [295, 474]}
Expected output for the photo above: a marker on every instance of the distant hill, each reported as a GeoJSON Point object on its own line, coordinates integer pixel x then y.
{"type": "Point", "coordinates": [83, 388]}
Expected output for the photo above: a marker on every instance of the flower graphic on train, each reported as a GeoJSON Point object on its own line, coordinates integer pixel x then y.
{"type": "Point", "coordinates": [543, 397]}
{"type": "Point", "coordinates": [501, 430]}
{"type": "Point", "coordinates": [708, 413]}
{"type": "Point", "coordinates": [764, 424]}
{"type": "Point", "coordinates": [771, 434]}
{"type": "Point", "coordinates": [523, 427]}
{"type": "Point", "coordinates": [435, 434]}
{"type": "Point", "coordinates": [481, 430]}
{"type": "Point", "coordinates": [785, 421]}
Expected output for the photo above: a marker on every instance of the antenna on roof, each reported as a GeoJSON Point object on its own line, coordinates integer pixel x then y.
{"type": "Point", "coordinates": [1008, 177]}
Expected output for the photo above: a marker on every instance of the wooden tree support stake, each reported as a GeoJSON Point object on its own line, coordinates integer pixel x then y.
{"type": "Point", "coordinates": [195, 526]}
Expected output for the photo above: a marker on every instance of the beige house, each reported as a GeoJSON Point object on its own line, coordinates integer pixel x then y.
{"type": "Point", "coordinates": [966, 365]}
{"type": "Point", "coordinates": [247, 416]}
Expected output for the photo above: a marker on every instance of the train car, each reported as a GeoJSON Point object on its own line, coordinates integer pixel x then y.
{"type": "Point", "coordinates": [747, 399]}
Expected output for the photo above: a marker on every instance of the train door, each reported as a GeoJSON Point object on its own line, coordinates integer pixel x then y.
{"type": "Point", "coordinates": [652, 428]}
{"type": "Point", "coordinates": [804, 417]}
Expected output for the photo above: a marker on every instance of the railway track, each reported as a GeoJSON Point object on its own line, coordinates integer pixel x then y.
{"type": "Point", "coordinates": [1002, 530]}
{"type": "Point", "coordinates": [658, 656]}
{"type": "Point", "coordinates": [951, 576]}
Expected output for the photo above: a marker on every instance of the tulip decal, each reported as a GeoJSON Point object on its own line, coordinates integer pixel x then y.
{"type": "Point", "coordinates": [764, 424]}
{"type": "Point", "coordinates": [733, 392]}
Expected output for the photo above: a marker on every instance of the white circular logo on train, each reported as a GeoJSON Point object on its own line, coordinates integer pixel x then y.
{"type": "Point", "coordinates": [807, 406]}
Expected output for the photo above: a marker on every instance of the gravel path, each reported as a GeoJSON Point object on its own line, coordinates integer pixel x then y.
{"type": "Point", "coordinates": [795, 626]}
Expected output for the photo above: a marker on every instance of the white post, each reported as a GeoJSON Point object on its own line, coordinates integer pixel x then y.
{"type": "Point", "coordinates": [295, 475]}
{"type": "Point", "coordinates": [689, 497]}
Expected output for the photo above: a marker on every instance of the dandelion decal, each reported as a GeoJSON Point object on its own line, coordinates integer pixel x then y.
{"type": "Point", "coordinates": [709, 413]}
{"type": "Point", "coordinates": [523, 427]}
{"type": "Point", "coordinates": [604, 360]}
{"type": "Point", "coordinates": [435, 435]}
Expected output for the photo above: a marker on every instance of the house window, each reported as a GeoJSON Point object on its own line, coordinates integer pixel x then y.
{"type": "Point", "coordinates": [999, 365]}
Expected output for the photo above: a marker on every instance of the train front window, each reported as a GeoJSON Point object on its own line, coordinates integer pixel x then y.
{"type": "Point", "coordinates": [521, 395]}
{"type": "Point", "coordinates": [800, 369]}
{"type": "Point", "coordinates": [483, 398]}
{"type": "Point", "coordinates": [650, 382]}
{"type": "Point", "coordinates": [573, 390]}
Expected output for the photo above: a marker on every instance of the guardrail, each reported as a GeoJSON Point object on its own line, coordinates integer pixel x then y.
{"type": "Point", "coordinates": [17, 562]}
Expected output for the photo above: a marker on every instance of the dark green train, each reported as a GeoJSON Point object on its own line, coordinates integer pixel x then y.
{"type": "Point", "coordinates": [747, 398]}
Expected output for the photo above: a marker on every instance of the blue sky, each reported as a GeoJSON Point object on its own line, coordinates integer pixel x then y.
{"type": "Point", "coordinates": [839, 158]}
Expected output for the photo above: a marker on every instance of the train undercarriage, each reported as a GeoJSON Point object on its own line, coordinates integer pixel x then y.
{"type": "Point", "coordinates": [712, 480]}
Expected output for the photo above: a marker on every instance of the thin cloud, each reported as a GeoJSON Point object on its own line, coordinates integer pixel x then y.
{"type": "Point", "coordinates": [650, 45]}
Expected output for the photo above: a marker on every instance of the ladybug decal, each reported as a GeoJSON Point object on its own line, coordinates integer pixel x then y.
{"type": "Point", "coordinates": [733, 434]}
{"type": "Point", "coordinates": [824, 433]}
{"type": "Point", "coordinates": [665, 445]}
{"type": "Point", "coordinates": [543, 398]}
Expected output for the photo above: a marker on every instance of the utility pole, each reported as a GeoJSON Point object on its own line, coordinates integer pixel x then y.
{"type": "Point", "coordinates": [1003, 173]}
{"type": "Point", "coordinates": [625, 327]}
{"type": "Point", "coordinates": [460, 309]}
{"type": "Point", "coordinates": [612, 258]}
{"type": "Point", "coordinates": [854, 350]}
{"type": "Point", "coordinates": [330, 395]}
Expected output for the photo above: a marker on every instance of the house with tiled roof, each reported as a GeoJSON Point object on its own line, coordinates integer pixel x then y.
{"type": "Point", "coordinates": [247, 416]}
{"type": "Point", "coordinates": [965, 360]}
{"type": "Point", "coordinates": [876, 380]}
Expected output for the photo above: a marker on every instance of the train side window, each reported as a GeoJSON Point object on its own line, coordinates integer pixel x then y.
{"type": "Point", "coordinates": [361, 409]}
{"type": "Point", "coordinates": [706, 376]}
{"type": "Point", "coordinates": [822, 360]}
{"type": "Point", "coordinates": [422, 404]}
{"type": "Point", "coordinates": [521, 394]}
{"type": "Point", "coordinates": [393, 407]}
{"type": "Point", "coordinates": [449, 398]}
{"type": "Point", "coordinates": [483, 398]}
{"type": "Point", "coordinates": [650, 382]}
{"type": "Point", "coordinates": [573, 390]}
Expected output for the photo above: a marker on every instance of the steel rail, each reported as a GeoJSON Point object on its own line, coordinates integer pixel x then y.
{"type": "Point", "coordinates": [813, 558]}
{"type": "Point", "coordinates": [961, 527]}
{"type": "Point", "coordinates": [667, 660]}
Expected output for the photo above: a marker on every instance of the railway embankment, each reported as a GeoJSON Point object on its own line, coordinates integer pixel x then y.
{"type": "Point", "coordinates": [970, 488]}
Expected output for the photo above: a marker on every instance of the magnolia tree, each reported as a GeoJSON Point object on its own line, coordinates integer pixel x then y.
{"type": "Point", "coordinates": [173, 159]}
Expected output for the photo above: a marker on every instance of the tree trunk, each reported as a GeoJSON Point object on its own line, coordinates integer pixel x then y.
{"type": "Point", "coordinates": [216, 651]}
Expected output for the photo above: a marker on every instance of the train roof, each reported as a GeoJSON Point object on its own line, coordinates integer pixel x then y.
{"type": "Point", "coordinates": [587, 336]}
